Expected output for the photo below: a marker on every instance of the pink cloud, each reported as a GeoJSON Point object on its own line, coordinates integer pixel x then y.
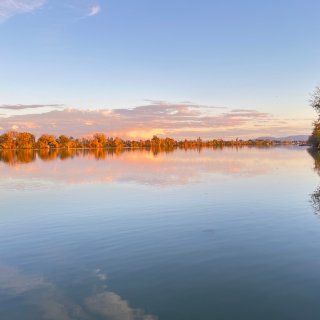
{"type": "Point", "coordinates": [160, 118]}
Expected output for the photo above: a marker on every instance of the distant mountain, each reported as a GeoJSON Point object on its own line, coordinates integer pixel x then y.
{"type": "Point", "coordinates": [302, 137]}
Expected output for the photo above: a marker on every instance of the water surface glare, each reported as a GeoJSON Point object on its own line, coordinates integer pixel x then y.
{"type": "Point", "coordinates": [197, 234]}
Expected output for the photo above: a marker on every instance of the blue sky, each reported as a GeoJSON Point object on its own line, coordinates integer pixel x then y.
{"type": "Point", "coordinates": [261, 55]}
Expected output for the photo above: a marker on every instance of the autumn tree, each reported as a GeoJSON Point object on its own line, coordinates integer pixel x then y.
{"type": "Point", "coordinates": [98, 141]}
{"type": "Point", "coordinates": [8, 140]}
{"type": "Point", "coordinates": [119, 143]}
{"type": "Point", "coordinates": [47, 141]}
{"type": "Point", "coordinates": [64, 141]}
{"type": "Point", "coordinates": [25, 140]}
{"type": "Point", "coordinates": [155, 141]}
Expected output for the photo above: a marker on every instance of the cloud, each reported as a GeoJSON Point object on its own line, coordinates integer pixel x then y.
{"type": "Point", "coordinates": [158, 118]}
{"type": "Point", "coordinates": [10, 8]}
{"type": "Point", "coordinates": [28, 106]}
{"type": "Point", "coordinates": [94, 10]}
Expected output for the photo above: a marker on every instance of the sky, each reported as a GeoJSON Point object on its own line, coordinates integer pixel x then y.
{"type": "Point", "coordinates": [232, 68]}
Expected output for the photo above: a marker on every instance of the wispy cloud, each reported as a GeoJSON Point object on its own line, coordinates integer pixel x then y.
{"type": "Point", "coordinates": [10, 8]}
{"type": "Point", "coordinates": [94, 10]}
{"type": "Point", "coordinates": [29, 106]}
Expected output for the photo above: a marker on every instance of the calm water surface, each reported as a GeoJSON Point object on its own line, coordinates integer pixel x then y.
{"type": "Point", "coordinates": [216, 234]}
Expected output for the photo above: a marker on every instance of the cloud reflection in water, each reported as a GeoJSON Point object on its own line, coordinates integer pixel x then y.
{"type": "Point", "coordinates": [47, 300]}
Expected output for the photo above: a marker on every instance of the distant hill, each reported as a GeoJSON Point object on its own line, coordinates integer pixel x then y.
{"type": "Point", "coordinates": [302, 137]}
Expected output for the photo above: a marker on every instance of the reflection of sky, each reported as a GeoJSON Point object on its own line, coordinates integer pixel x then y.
{"type": "Point", "coordinates": [142, 167]}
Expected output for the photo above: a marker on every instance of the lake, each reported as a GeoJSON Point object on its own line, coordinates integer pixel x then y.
{"type": "Point", "coordinates": [190, 234]}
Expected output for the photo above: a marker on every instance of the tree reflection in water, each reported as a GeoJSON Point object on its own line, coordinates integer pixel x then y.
{"type": "Point", "coordinates": [20, 156]}
{"type": "Point", "coordinates": [13, 157]}
{"type": "Point", "coordinates": [315, 196]}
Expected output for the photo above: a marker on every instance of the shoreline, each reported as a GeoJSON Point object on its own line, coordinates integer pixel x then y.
{"type": "Point", "coordinates": [270, 145]}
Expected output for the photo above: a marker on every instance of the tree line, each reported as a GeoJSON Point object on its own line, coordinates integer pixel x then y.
{"type": "Point", "coordinates": [14, 140]}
